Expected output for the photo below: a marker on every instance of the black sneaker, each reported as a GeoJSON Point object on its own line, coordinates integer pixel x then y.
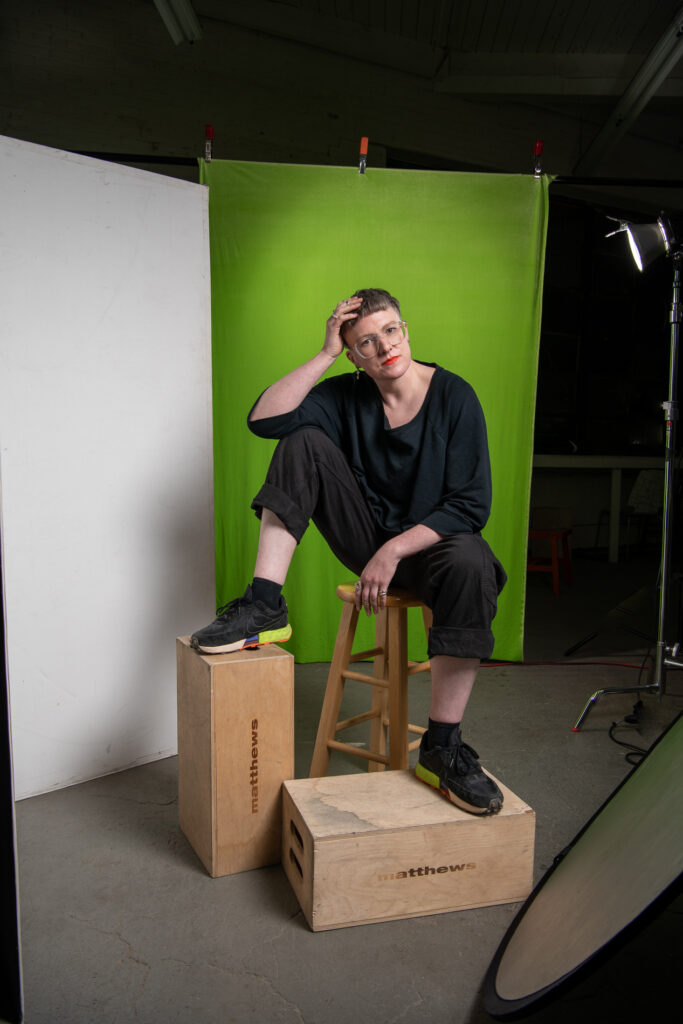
{"type": "Point", "coordinates": [243, 623]}
{"type": "Point", "coordinates": [455, 771]}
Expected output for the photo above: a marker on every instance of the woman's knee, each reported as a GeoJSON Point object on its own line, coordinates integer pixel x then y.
{"type": "Point", "coordinates": [461, 569]}
{"type": "Point", "coordinates": [466, 555]}
{"type": "Point", "coordinates": [295, 456]}
{"type": "Point", "coordinates": [309, 439]}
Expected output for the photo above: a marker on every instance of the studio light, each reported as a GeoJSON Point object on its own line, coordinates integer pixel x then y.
{"type": "Point", "coordinates": [596, 887]}
{"type": "Point", "coordinates": [180, 20]}
{"type": "Point", "coordinates": [649, 241]}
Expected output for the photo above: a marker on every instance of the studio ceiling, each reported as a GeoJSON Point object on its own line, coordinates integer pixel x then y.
{"type": "Point", "coordinates": [435, 84]}
{"type": "Point", "coordinates": [575, 57]}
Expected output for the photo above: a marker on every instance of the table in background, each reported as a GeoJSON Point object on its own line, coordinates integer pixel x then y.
{"type": "Point", "coordinates": [615, 464]}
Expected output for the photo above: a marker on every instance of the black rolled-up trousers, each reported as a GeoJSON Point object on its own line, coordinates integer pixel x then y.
{"type": "Point", "coordinates": [458, 578]}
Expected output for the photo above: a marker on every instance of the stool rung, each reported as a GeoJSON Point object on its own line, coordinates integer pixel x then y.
{"type": "Point", "coordinates": [365, 655]}
{"type": "Point", "coordinates": [419, 666]}
{"type": "Point", "coordinates": [367, 716]}
{"type": "Point", "coordinates": [357, 751]}
{"type": "Point", "coordinates": [417, 729]}
{"type": "Point", "coordinates": [414, 745]}
{"type": "Point", "coordinates": [361, 677]}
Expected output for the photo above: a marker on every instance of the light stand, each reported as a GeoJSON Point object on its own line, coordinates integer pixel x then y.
{"type": "Point", "coordinates": [647, 242]}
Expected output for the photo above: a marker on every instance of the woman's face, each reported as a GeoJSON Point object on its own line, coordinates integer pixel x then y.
{"type": "Point", "coordinates": [393, 346]}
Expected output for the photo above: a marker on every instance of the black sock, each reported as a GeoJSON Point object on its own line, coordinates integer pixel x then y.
{"type": "Point", "coordinates": [439, 733]}
{"type": "Point", "coordinates": [266, 591]}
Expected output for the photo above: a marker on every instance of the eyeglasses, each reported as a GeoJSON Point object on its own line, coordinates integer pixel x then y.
{"type": "Point", "coordinates": [390, 335]}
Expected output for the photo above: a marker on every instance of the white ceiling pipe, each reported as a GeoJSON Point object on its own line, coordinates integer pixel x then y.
{"type": "Point", "coordinates": [658, 64]}
{"type": "Point", "coordinates": [180, 20]}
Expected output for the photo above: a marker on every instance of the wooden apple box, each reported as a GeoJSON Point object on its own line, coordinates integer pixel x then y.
{"type": "Point", "coordinates": [235, 749]}
{"type": "Point", "coordinates": [378, 846]}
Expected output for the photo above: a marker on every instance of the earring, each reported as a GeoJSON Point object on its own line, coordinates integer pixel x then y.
{"type": "Point", "coordinates": [357, 373]}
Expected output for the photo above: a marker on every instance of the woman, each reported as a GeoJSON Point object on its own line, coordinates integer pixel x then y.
{"type": "Point", "coordinates": [391, 464]}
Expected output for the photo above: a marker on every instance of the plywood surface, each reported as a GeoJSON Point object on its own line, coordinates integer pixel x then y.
{"type": "Point", "coordinates": [367, 802]}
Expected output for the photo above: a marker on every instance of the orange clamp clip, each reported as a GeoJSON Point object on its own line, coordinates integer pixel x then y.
{"type": "Point", "coordinates": [363, 155]}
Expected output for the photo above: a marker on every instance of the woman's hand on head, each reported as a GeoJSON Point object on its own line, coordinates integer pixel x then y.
{"type": "Point", "coordinates": [342, 313]}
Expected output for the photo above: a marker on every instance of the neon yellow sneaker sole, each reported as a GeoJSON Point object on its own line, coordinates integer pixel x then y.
{"type": "Point", "coordinates": [268, 636]}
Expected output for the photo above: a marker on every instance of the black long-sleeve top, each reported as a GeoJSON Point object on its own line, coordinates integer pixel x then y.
{"type": "Point", "coordinates": [433, 470]}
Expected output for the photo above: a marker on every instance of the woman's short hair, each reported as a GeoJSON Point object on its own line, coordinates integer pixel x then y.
{"type": "Point", "coordinates": [374, 300]}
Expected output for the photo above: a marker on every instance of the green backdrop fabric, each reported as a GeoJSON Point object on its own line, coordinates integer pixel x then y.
{"type": "Point", "coordinates": [463, 253]}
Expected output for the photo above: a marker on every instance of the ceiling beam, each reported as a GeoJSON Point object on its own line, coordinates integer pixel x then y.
{"type": "Point", "coordinates": [510, 75]}
{"type": "Point", "coordinates": [552, 76]}
{"type": "Point", "coordinates": [657, 66]}
{"type": "Point", "coordinates": [326, 33]}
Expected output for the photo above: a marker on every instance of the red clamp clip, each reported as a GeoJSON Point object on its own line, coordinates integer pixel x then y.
{"type": "Point", "coordinates": [538, 153]}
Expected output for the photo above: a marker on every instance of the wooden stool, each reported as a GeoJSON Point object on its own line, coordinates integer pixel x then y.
{"type": "Point", "coordinates": [389, 710]}
{"type": "Point", "coordinates": [553, 563]}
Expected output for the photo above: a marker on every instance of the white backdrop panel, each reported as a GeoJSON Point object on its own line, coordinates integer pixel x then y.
{"type": "Point", "coordinates": [105, 456]}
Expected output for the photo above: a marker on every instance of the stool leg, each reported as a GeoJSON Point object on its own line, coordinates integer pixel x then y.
{"type": "Point", "coordinates": [428, 620]}
{"type": "Point", "coordinates": [334, 691]}
{"type": "Point", "coordinates": [380, 695]}
{"type": "Point", "coordinates": [397, 654]}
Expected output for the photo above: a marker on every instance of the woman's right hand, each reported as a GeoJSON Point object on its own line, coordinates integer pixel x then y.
{"type": "Point", "coordinates": [341, 314]}
{"type": "Point", "coordinates": [289, 391]}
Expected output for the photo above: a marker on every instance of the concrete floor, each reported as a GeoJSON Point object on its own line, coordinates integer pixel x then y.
{"type": "Point", "coordinates": [120, 922]}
